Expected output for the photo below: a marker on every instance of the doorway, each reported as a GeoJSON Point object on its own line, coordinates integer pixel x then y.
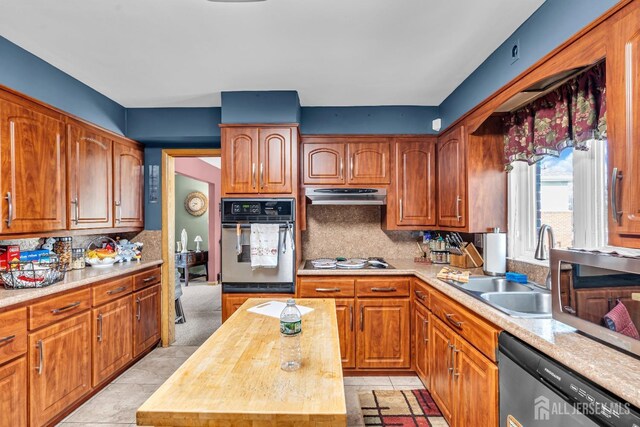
{"type": "Point", "coordinates": [199, 307]}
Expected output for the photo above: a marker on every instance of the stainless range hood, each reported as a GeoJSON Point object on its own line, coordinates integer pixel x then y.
{"type": "Point", "coordinates": [347, 196]}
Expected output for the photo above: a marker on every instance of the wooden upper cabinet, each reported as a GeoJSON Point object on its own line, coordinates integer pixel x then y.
{"type": "Point", "coordinates": [275, 160]}
{"type": "Point", "coordinates": [128, 185]}
{"type": "Point", "coordinates": [368, 162]}
{"type": "Point", "coordinates": [416, 182]}
{"type": "Point", "coordinates": [623, 126]}
{"type": "Point", "coordinates": [90, 178]}
{"type": "Point", "coordinates": [258, 160]}
{"type": "Point", "coordinates": [323, 163]}
{"type": "Point", "coordinates": [240, 160]}
{"type": "Point", "coordinates": [32, 152]}
{"type": "Point", "coordinates": [452, 187]}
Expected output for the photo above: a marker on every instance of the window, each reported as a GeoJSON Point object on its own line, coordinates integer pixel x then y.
{"type": "Point", "coordinates": [568, 192]}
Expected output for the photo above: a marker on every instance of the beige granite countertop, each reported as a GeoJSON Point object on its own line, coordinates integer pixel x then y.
{"type": "Point", "coordinates": [73, 279]}
{"type": "Point", "coordinates": [611, 369]}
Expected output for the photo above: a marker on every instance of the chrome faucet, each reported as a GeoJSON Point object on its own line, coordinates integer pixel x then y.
{"type": "Point", "coordinates": [542, 253]}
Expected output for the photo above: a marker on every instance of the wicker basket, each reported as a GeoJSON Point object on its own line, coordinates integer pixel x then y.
{"type": "Point", "coordinates": [32, 275]}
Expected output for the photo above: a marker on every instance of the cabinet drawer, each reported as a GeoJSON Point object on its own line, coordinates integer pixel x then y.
{"type": "Point", "coordinates": [58, 308]}
{"type": "Point", "coordinates": [106, 292]}
{"type": "Point", "coordinates": [469, 326]}
{"type": "Point", "coordinates": [326, 287]}
{"type": "Point", "coordinates": [421, 292]}
{"type": "Point", "coordinates": [148, 278]}
{"type": "Point", "coordinates": [13, 334]}
{"type": "Point", "coordinates": [382, 287]}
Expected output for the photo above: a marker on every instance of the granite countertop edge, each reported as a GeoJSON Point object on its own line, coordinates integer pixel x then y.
{"type": "Point", "coordinates": [611, 369]}
{"type": "Point", "coordinates": [73, 279]}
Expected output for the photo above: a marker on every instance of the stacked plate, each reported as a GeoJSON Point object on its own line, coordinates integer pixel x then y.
{"type": "Point", "coordinates": [352, 263]}
{"type": "Point", "coordinates": [324, 263]}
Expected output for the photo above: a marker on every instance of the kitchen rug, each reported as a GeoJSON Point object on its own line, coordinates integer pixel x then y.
{"type": "Point", "coordinates": [400, 408]}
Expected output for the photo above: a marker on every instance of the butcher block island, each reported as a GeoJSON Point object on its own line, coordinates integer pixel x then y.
{"type": "Point", "coordinates": [234, 378]}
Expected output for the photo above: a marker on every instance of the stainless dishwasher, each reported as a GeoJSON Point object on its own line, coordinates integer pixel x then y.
{"type": "Point", "coordinates": [537, 391]}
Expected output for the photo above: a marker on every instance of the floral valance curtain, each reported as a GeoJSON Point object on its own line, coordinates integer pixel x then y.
{"type": "Point", "coordinates": [568, 116]}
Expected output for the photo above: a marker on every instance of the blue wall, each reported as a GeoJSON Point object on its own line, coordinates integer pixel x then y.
{"type": "Point", "coordinates": [26, 73]}
{"type": "Point", "coordinates": [551, 25]}
{"type": "Point", "coordinates": [175, 126]}
{"type": "Point", "coordinates": [274, 106]}
{"type": "Point", "coordinates": [362, 120]}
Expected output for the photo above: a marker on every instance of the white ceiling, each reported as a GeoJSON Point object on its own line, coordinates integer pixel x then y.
{"type": "Point", "coordinates": [183, 53]}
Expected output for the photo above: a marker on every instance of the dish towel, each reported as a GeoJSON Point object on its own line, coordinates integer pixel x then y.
{"type": "Point", "coordinates": [265, 239]}
{"type": "Point", "coordinates": [619, 320]}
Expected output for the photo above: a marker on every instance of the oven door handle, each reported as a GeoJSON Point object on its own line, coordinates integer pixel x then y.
{"type": "Point", "coordinates": [246, 226]}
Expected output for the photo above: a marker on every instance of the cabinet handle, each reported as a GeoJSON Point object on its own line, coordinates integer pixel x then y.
{"type": "Point", "coordinates": [253, 175]}
{"type": "Point", "coordinates": [458, 200]}
{"type": "Point", "coordinates": [40, 347]}
{"type": "Point", "coordinates": [118, 211]}
{"type": "Point", "coordinates": [390, 289]}
{"type": "Point", "coordinates": [138, 308]}
{"type": "Point", "coordinates": [327, 289]}
{"type": "Point", "coordinates": [7, 339]}
{"type": "Point", "coordinates": [65, 308]}
{"type": "Point", "coordinates": [420, 295]}
{"type": "Point", "coordinates": [100, 327]}
{"type": "Point", "coordinates": [10, 206]}
{"type": "Point", "coordinates": [361, 318]}
{"type": "Point", "coordinates": [425, 322]}
{"type": "Point", "coordinates": [615, 213]}
{"type": "Point", "coordinates": [453, 362]}
{"type": "Point", "coordinates": [609, 303]}
{"type": "Point", "coordinates": [341, 168]}
{"type": "Point", "coordinates": [351, 166]}
{"type": "Point", "coordinates": [116, 290]}
{"type": "Point", "coordinates": [261, 175]}
{"type": "Point", "coordinates": [351, 316]}
{"type": "Point", "coordinates": [76, 211]}
{"type": "Point", "coordinates": [401, 211]}
{"type": "Point", "coordinates": [453, 322]}
{"type": "Point", "coordinates": [451, 347]}
{"type": "Point", "coordinates": [150, 278]}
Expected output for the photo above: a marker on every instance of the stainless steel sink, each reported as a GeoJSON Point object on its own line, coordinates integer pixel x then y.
{"type": "Point", "coordinates": [493, 284]}
{"type": "Point", "coordinates": [521, 304]}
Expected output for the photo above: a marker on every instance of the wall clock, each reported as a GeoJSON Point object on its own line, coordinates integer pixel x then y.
{"type": "Point", "coordinates": [196, 203]}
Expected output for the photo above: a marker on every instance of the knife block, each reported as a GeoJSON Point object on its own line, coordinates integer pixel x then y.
{"type": "Point", "coordinates": [470, 258]}
{"type": "Point", "coordinates": [460, 261]}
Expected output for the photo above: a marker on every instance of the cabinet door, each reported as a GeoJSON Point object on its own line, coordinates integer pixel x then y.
{"type": "Point", "coordinates": [451, 179]}
{"type": "Point", "coordinates": [230, 304]}
{"type": "Point", "coordinates": [592, 305]}
{"type": "Point", "coordinates": [111, 338]}
{"type": "Point", "coordinates": [383, 333]}
{"type": "Point", "coordinates": [474, 376]}
{"type": "Point", "coordinates": [623, 125]}
{"type": "Point", "coordinates": [416, 183]}
{"type": "Point", "coordinates": [421, 341]}
{"type": "Point", "coordinates": [32, 152]}
{"type": "Point", "coordinates": [323, 163]}
{"type": "Point", "coordinates": [146, 319]}
{"type": "Point", "coordinates": [13, 389]}
{"type": "Point", "coordinates": [128, 186]}
{"type": "Point", "coordinates": [59, 367]}
{"type": "Point", "coordinates": [346, 326]}
{"type": "Point", "coordinates": [441, 366]}
{"type": "Point", "coordinates": [240, 160]}
{"type": "Point", "coordinates": [368, 163]}
{"type": "Point", "coordinates": [275, 160]}
{"type": "Point", "coordinates": [90, 179]}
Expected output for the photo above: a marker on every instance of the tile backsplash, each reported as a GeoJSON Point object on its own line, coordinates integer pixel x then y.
{"type": "Point", "coordinates": [353, 231]}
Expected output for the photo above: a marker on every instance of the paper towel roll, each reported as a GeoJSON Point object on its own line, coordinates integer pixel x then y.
{"type": "Point", "coordinates": [495, 253]}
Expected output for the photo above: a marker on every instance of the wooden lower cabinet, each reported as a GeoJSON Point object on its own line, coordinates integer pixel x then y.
{"type": "Point", "coordinates": [232, 302]}
{"type": "Point", "coordinates": [421, 341]}
{"type": "Point", "coordinates": [383, 337]}
{"type": "Point", "coordinates": [441, 357]}
{"type": "Point", "coordinates": [59, 367]}
{"type": "Point", "coordinates": [112, 345]}
{"type": "Point", "coordinates": [146, 319]}
{"type": "Point", "coordinates": [346, 330]}
{"type": "Point", "coordinates": [13, 389]}
{"type": "Point", "coordinates": [475, 387]}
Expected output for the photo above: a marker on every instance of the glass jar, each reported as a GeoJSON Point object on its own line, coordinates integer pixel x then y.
{"type": "Point", "coordinates": [63, 249]}
{"type": "Point", "coordinates": [77, 260]}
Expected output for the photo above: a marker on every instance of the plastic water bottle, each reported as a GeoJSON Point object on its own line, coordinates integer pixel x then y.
{"type": "Point", "coordinates": [290, 331]}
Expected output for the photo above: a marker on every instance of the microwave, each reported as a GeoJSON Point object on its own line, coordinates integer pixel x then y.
{"type": "Point", "coordinates": [599, 295]}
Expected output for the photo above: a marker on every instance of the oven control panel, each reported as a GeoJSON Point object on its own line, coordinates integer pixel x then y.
{"type": "Point", "coordinates": [258, 210]}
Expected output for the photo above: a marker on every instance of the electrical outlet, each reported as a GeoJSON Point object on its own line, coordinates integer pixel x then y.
{"type": "Point", "coordinates": [515, 51]}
